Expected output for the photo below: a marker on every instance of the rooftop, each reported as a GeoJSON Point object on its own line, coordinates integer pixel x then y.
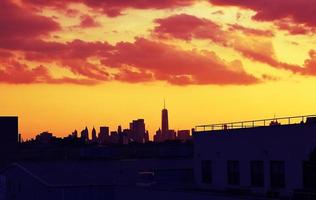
{"type": "Point", "coordinates": [304, 119]}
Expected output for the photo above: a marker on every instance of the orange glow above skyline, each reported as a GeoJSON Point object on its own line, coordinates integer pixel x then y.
{"type": "Point", "coordinates": [69, 64]}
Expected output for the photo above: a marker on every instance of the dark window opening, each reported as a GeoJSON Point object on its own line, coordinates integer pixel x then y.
{"type": "Point", "coordinates": [277, 174]}
{"type": "Point", "coordinates": [233, 173]}
{"type": "Point", "coordinates": [206, 171]}
{"type": "Point", "coordinates": [309, 174]}
{"type": "Point", "coordinates": [257, 173]}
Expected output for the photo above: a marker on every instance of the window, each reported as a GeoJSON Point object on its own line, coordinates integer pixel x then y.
{"type": "Point", "coordinates": [277, 174]}
{"type": "Point", "coordinates": [19, 189]}
{"type": "Point", "coordinates": [233, 172]}
{"type": "Point", "coordinates": [257, 173]}
{"type": "Point", "coordinates": [9, 186]}
{"type": "Point", "coordinates": [309, 174]}
{"type": "Point", "coordinates": [206, 171]}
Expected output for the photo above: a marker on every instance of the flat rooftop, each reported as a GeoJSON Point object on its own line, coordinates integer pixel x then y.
{"type": "Point", "coordinates": [279, 121]}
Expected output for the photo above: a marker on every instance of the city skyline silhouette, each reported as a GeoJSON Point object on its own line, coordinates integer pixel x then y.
{"type": "Point", "coordinates": [137, 129]}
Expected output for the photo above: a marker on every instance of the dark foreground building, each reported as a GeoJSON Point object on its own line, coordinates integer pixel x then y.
{"type": "Point", "coordinates": [261, 158]}
{"type": "Point", "coordinates": [8, 139]}
{"type": "Point", "coordinates": [93, 179]}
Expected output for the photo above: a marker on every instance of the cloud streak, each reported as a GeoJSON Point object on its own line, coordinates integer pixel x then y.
{"type": "Point", "coordinates": [188, 27]}
{"type": "Point", "coordinates": [113, 8]}
{"type": "Point", "coordinates": [177, 66]}
{"type": "Point", "coordinates": [299, 12]}
{"type": "Point", "coordinates": [17, 22]}
{"type": "Point", "coordinates": [192, 27]}
{"type": "Point", "coordinates": [13, 72]}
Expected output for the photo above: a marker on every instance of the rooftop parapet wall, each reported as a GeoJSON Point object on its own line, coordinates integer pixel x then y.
{"type": "Point", "coordinates": [304, 119]}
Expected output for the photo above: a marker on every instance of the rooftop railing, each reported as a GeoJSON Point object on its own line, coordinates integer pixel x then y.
{"type": "Point", "coordinates": [258, 123]}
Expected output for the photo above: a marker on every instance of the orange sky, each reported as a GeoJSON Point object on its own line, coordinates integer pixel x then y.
{"type": "Point", "coordinates": [69, 64]}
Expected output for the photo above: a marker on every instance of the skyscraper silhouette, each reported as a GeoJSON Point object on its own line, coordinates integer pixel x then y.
{"type": "Point", "coordinates": [85, 135]}
{"type": "Point", "coordinates": [164, 122]}
{"type": "Point", "coordinates": [103, 134]}
{"type": "Point", "coordinates": [94, 135]}
{"type": "Point", "coordinates": [138, 131]}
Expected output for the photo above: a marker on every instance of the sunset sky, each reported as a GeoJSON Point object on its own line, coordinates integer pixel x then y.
{"type": "Point", "coordinates": [67, 64]}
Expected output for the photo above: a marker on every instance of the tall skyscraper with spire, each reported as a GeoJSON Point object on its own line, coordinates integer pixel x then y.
{"type": "Point", "coordinates": [164, 122]}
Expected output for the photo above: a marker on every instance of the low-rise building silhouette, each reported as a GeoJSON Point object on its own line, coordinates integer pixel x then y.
{"type": "Point", "coordinates": [183, 135]}
{"type": "Point", "coordinates": [44, 138]}
{"type": "Point", "coordinates": [8, 139]}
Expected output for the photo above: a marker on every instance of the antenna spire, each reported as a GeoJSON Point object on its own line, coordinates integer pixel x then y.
{"type": "Point", "coordinates": [164, 104]}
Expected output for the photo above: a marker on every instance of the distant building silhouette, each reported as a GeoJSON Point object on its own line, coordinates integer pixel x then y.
{"type": "Point", "coordinates": [74, 134]}
{"type": "Point", "coordinates": [94, 135]}
{"type": "Point", "coordinates": [103, 134]}
{"type": "Point", "coordinates": [114, 138]}
{"type": "Point", "coordinates": [158, 136]}
{"type": "Point", "coordinates": [183, 135]}
{"type": "Point", "coordinates": [164, 123]}
{"type": "Point", "coordinates": [119, 129]}
{"type": "Point", "coordinates": [138, 131]}
{"type": "Point", "coordinates": [85, 135]}
{"type": "Point", "coordinates": [171, 135]}
{"type": "Point", "coordinates": [120, 135]}
{"type": "Point", "coordinates": [44, 138]}
{"type": "Point", "coordinates": [125, 136]}
{"type": "Point", "coordinates": [164, 134]}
